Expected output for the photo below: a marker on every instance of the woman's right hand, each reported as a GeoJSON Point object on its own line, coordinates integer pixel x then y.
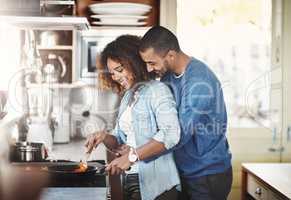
{"type": "Point", "coordinates": [94, 140]}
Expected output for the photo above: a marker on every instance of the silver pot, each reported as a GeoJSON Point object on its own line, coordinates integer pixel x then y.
{"type": "Point", "coordinates": [27, 152]}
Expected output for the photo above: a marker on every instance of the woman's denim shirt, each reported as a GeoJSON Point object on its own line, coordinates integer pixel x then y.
{"type": "Point", "coordinates": [155, 117]}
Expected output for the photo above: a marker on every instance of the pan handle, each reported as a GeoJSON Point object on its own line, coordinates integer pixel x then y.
{"type": "Point", "coordinates": [102, 171]}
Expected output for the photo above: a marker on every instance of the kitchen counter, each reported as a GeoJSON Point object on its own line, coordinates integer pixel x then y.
{"type": "Point", "coordinates": [266, 181]}
{"type": "Point", "coordinates": [74, 193]}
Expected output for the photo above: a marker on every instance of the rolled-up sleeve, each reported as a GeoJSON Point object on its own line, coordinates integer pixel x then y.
{"type": "Point", "coordinates": [164, 107]}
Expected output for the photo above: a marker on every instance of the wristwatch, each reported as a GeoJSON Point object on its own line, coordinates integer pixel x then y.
{"type": "Point", "coordinates": [132, 156]}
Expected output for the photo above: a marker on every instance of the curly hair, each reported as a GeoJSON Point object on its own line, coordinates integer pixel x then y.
{"type": "Point", "coordinates": [125, 50]}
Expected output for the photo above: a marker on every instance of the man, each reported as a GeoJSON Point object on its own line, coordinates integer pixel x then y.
{"type": "Point", "coordinates": [202, 155]}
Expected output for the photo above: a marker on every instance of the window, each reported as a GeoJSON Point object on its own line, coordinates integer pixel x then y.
{"type": "Point", "coordinates": [234, 38]}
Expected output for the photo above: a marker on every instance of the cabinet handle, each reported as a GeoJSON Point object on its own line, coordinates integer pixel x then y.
{"type": "Point", "coordinates": [288, 134]}
{"type": "Point", "coordinates": [258, 191]}
{"type": "Point", "coordinates": [274, 138]}
{"type": "Point", "coordinates": [279, 149]}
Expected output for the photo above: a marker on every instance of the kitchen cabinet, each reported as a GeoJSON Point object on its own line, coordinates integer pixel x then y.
{"type": "Point", "coordinates": [280, 89]}
{"type": "Point", "coordinates": [74, 193]}
{"type": "Point", "coordinates": [28, 181]}
{"type": "Point", "coordinates": [57, 7]}
{"type": "Point", "coordinates": [267, 181]}
{"type": "Point", "coordinates": [60, 43]}
{"type": "Point", "coordinates": [20, 7]}
{"type": "Point", "coordinates": [53, 35]}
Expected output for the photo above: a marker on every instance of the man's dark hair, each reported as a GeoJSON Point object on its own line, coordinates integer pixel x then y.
{"type": "Point", "coordinates": [160, 39]}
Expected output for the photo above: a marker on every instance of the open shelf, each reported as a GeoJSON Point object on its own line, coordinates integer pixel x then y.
{"type": "Point", "coordinates": [57, 85]}
{"type": "Point", "coordinates": [54, 2]}
{"type": "Point", "coordinates": [58, 47]}
{"type": "Point", "coordinates": [37, 22]}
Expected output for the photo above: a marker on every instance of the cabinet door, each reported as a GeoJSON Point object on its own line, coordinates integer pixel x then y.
{"type": "Point", "coordinates": [276, 79]}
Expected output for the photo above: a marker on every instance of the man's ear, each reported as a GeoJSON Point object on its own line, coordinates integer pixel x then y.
{"type": "Point", "coordinates": [172, 54]}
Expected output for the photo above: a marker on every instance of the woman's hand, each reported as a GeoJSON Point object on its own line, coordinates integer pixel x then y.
{"type": "Point", "coordinates": [118, 165]}
{"type": "Point", "coordinates": [94, 140]}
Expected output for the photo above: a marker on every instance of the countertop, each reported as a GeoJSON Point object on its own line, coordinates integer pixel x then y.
{"type": "Point", "coordinates": [91, 193]}
{"type": "Point", "coordinates": [275, 175]}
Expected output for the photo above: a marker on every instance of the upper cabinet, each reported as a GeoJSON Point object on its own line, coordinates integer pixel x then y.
{"type": "Point", "coordinates": [80, 14]}
{"type": "Point", "coordinates": [42, 14]}
{"type": "Point", "coordinates": [20, 7]}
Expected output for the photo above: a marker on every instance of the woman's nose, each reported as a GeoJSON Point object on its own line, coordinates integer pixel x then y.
{"type": "Point", "coordinates": [113, 76]}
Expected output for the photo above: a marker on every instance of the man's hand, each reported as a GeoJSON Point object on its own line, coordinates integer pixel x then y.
{"type": "Point", "coordinates": [94, 140]}
{"type": "Point", "coordinates": [118, 165]}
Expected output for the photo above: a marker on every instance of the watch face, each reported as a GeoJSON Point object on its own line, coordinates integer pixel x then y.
{"type": "Point", "coordinates": [132, 157]}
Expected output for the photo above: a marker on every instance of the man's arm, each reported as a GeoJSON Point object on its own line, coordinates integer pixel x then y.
{"type": "Point", "coordinates": [197, 97]}
{"type": "Point", "coordinates": [150, 149]}
{"type": "Point", "coordinates": [168, 134]}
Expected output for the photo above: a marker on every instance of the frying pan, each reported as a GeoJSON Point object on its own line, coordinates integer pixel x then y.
{"type": "Point", "coordinates": [70, 170]}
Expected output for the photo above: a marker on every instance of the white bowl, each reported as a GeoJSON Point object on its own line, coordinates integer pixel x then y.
{"type": "Point", "coordinates": [119, 19]}
{"type": "Point", "coordinates": [120, 8]}
{"type": "Point", "coordinates": [120, 23]}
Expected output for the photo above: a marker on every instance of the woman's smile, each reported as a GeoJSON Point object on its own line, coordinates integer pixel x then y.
{"type": "Point", "coordinates": [120, 74]}
{"type": "Point", "coordinates": [124, 82]}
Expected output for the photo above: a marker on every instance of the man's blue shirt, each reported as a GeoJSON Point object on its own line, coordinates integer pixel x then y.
{"type": "Point", "coordinates": [203, 148]}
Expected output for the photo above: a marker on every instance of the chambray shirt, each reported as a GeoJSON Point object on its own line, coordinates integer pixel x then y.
{"type": "Point", "coordinates": [203, 148]}
{"type": "Point", "coordinates": [155, 117]}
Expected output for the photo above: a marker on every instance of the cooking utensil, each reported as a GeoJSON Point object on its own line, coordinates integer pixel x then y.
{"type": "Point", "coordinates": [39, 132]}
{"type": "Point", "coordinates": [55, 69]}
{"type": "Point", "coordinates": [83, 165]}
{"type": "Point", "coordinates": [49, 38]}
{"type": "Point", "coordinates": [86, 157]}
{"type": "Point", "coordinates": [28, 152]}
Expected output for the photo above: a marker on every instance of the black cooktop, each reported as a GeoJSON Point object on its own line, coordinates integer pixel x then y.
{"type": "Point", "coordinates": [96, 180]}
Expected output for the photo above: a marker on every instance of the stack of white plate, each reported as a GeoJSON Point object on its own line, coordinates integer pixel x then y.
{"type": "Point", "coordinates": [119, 14]}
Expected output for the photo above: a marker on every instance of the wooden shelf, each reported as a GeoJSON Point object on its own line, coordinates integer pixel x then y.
{"type": "Point", "coordinates": [54, 2]}
{"type": "Point", "coordinates": [58, 47]}
{"type": "Point", "coordinates": [47, 23]}
{"type": "Point", "coordinates": [57, 85]}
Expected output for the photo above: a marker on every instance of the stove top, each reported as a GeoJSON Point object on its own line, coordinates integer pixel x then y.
{"type": "Point", "coordinates": [96, 180]}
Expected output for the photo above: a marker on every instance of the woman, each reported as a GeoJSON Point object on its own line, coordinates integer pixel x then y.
{"type": "Point", "coordinates": [147, 122]}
